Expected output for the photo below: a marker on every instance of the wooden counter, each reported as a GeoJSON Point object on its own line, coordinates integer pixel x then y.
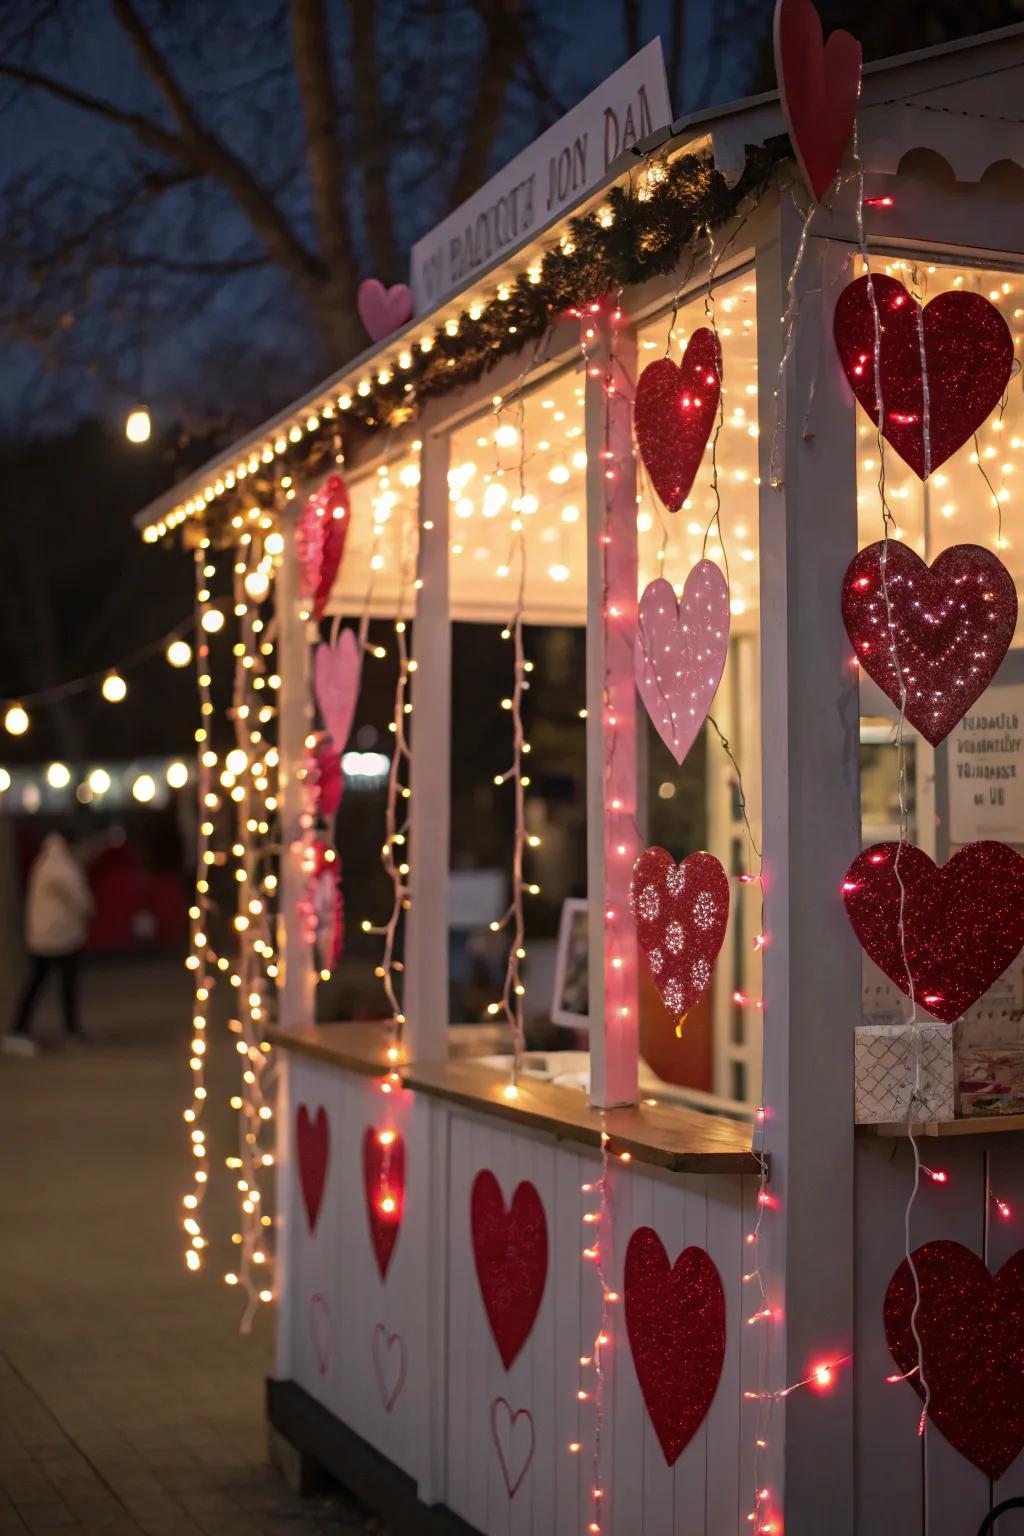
{"type": "Point", "coordinates": [972, 1125]}
{"type": "Point", "coordinates": [668, 1136]}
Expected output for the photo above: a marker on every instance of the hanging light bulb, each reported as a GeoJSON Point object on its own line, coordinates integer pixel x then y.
{"type": "Point", "coordinates": [113, 688]}
{"type": "Point", "coordinates": [138, 425]}
{"type": "Point", "coordinates": [16, 720]}
{"type": "Point", "coordinates": [144, 788]}
{"type": "Point", "coordinates": [177, 775]}
{"type": "Point", "coordinates": [257, 585]}
{"type": "Point", "coordinates": [179, 653]}
{"type": "Point", "coordinates": [213, 620]}
{"type": "Point", "coordinates": [99, 781]}
{"type": "Point", "coordinates": [58, 776]}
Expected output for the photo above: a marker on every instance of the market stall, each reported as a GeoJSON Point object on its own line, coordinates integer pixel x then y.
{"type": "Point", "coordinates": [519, 1294]}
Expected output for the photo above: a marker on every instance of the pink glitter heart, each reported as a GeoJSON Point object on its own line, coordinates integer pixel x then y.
{"type": "Point", "coordinates": [383, 310]}
{"type": "Point", "coordinates": [336, 674]}
{"type": "Point", "coordinates": [680, 653]}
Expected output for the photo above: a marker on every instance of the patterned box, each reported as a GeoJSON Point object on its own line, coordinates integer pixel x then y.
{"type": "Point", "coordinates": [884, 1072]}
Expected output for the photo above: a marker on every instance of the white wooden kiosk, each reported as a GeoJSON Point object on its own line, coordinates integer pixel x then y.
{"type": "Point", "coordinates": [394, 1381]}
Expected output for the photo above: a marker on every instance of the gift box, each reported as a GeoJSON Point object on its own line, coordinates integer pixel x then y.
{"type": "Point", "coordinates": [885, 1070]}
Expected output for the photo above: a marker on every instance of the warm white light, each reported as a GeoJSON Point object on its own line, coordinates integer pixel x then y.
{"type": "Point", "coordinates": [177, 775]}
{"type": "Point", "coordinates": [114, 688]}
{"type": "Point", "coordinates": [506, 436]}
{"type": "Point", "coordinates": [179, 653]}
{"type": "Point", "coordinates": [16, 720]}
{"type": "Point", "coordinates": [5, 780]}
{"type": "Point", "coordinates": [236, 761]}
{"type": "Point", "coordinates": [558, 475]}
{"type": "Point", "coordinates": [138, 425]}
{"type": "Point", "coordinates": [144, 788]}
{"type": "Point", "coordinates": [99, 781]}
{"type": "Point", "coordinates": [558, 572]}
{"type": "Point", "coordinates": [213, 620]}
{"type": "Point", "coordinates": [58, 776]}
{"type": "Point", "coordinates": [257, 585]}
{"type": "Point", "coordinates": [273, 544]}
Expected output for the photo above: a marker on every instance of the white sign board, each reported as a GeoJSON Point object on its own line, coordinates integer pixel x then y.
{"type": "Point", "coordinates": [566, 162]}
{"type": "Point", "coordinates": [986, 769]}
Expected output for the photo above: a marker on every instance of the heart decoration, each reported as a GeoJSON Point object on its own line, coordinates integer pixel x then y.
{"type": "Point", "coordinates": [327, 774]}
{"type": "Point", "coordinates": [971, 1326]}
{"type": "Point", "coordinates": [680, 653]}
{"type": "Point", "coordinates": [383, 310]}
{"type": "Point", "coordinates": [389, 1363]}
{"type": "Point", "coordinates": [968, 353]}
{"type": "Point", "coordinates": [949, 624]}
{"type": "Point", "coordinates": [321, 534]}
{"type": "Point", "coordinates": [510, 1249]}
{"type": "Point", "coordinates": [675, 1319]}
{"type": "Point", "coordinates": [819, 84]}
{"type": "Point", "coordinates": [337, 670]}
{"type": "Point", "coordinates": [963, 921]}
{"type": "Point", "coordinates": [384, 1189]}
{"type": "Point", "coordinates": [313, 1144]}
{"type": "Point", "coordinates": [681, 913]}
{"type": "Point", "coordinates": [673, 413]}
{"type": "Point", "coordinates": [515, 1452]}
{"type": "Point", "coordinates": [320, 1331]}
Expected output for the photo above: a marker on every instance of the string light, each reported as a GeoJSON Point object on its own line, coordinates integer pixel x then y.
{"type": "Point", "coordinates": [114, 688]}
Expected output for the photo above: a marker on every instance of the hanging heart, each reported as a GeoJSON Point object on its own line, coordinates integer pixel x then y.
{"type": "Point", "coordinates": [383, 310]}
{"type": "Point", "coordinates": [950, 625]}
{"type": "Point", "coordinates": [327, 773]}
{"type": "Point", "coordinates": [968, 355]}
{"type": "Point", "coordinates": [971, 1327]}
{"type": "Point", "coordinates": [819, 84]}
{"type": "Point", "coordinates": [681, 913]}
{"type": "Point", "coordinates": [321, 534]}
{"type": "Point", "coordinates": [337, 670]}
{"type": "Point", "coordinates": [384, 1190]}
{"type": "Point", "coordinates": [675, 1319]}
{"type": "Point", "coordinates": [313, 1145]}
{"type": "Point", "coordinates": [680, 653]}
{"type": "Point", "coordinates": [963, 921]}
{"type": "Point", "coordinates": [673, 413]}
{"type": "Point", "coordinates": [510, 1249]}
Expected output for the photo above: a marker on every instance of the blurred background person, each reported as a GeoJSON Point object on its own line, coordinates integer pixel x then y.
{"type": "Point", "coordinates": [58, 909]}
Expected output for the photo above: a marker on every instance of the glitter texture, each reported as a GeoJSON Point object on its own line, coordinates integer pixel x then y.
{"type": "Point", "coordinates": [675, 1319]}
{"type": "Point", "coordinates": [674, 411]}
{"type": "Point", "coordinates": [383, 1177]}
{"type": "Point", "coordinates": [313, 1150]}
{"type": "Point", "coordinates": [971, 1326]}
{"type": "Point", "coordinates": [690, 922]}
{"type": "Point", "coordinates": [680, 653]}
{"type": "Point", "coordinates": [951, 626]}
{"type": "Point", "coordinates": [510, 1248]}
{"type": "Point", "coordinates": [968, 355]}
{"type": "Point", "coordinates": [963, 922]}
{"type": "Point", "coordinates": [320, 538]}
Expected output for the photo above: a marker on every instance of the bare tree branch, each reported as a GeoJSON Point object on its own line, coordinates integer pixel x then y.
{"type": "Point", "coordinates": [371, 142]}
{"type": "Point", "coordinates": [503, 50]}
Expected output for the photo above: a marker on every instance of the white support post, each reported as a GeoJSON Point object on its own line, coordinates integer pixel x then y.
{"type": "Point", "coordinates": [811, 822]}
{"type": "Point", "coordinates": [425, 996]}
{"type": "Point", "coordinates": [612, 802]}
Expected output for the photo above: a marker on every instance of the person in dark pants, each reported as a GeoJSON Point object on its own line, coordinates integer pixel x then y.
{"type": "Point", "coordinates": [57, 912]}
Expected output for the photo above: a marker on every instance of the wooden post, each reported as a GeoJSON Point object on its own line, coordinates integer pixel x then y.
{"type": "Point", "coordinates": [811, 822]}
{"type": "Point", "coordinates": [425, 997]}
{"type": "Point", "coordinates": [612, 844]}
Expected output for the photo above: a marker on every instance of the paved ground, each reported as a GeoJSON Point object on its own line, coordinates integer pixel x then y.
{"type": "Point", "coordinates": [128, 1402]}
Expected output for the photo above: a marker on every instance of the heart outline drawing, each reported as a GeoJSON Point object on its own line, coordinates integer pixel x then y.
{"type": "Point", "coordinates": [511, 1418]}
{"type": "Point", "coordinates": [320, 1330]}
{"type": "Point", "coordinates": [389, 1390]}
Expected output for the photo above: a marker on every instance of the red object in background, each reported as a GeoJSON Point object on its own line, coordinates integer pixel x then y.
{"type": "Point", "coordinates": [819, 84]}
{"type": "Point", "coordinates": [322, 531]}
{"type": "Point", "coordinates": [384, 1188]}
{"type": "Point", "coordinates": [510, 1248]}
{"type": "Point", "coordinates": [685, 1058]}
{"type": "Point", "coordinates": [135, 907]}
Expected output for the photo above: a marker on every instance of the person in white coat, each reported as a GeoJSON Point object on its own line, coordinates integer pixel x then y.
{"type": "Point", "coordinates": [58, 908]}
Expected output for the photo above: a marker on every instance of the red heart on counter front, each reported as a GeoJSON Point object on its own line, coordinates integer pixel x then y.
{"type": "Point", "coordinates": [950, 625]}
{"type": "Point", "coordinates": [510, 1248]}
{"type": "Point", "coordinates": [675, 1319]}
{"type": "Point", "coordinates": [968, 355]}
{"type": "Point", "coordinates": [820, 85]}
{"type": "Point", "coordinates": [673, 413]}
{"type": "Point", "coordinates": [384, 1188]}
{"type": "Point", "coordinates": [681, 913]}
{"type": "Point", "coordinates": [963, 921]}
{"type": "Point", "coordinates": [313, 1145]}
{"type": "Point", "coordinates": [971, 1327]}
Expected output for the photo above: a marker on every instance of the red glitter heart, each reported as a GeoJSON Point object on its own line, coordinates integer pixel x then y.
{"type": "Point", "coordinates": [384, 1188]}
{"type": "Point", "coordinates": [510, 1248]}
{"type": "Point", "coordinates": [963, 921]}
{"type": "Point", "coordinates": [673, 413]}
{"type": "Point", "coordinates": [968, 352]}
{"type": "Point", "coordinates": [819, 84]}
{"type": "Point", "coordinates": [675, 1318]}
{"type": "Point", "coordinates": [313, 1145]}
{"type": "Point", "coordinates": [321, 535]}
{"type": "Point", "coordinates": [950, 626]}
{"type": "Point", "coordinates": [971, 1326]}
{"type": "Point", "coordinates": [681, 912]}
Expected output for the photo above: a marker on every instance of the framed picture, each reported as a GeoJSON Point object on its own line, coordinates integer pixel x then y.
{"type": "Point", "coordinates": [570, 1004]}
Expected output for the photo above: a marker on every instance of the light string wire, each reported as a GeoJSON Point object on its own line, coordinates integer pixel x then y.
{"type": "Point", "coordinates": [89, 680]}
{"type": "Point", "coordinates": [914, 1098]}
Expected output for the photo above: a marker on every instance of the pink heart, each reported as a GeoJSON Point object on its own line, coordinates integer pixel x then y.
{"type": "Point", "coordinates": [820, 87]}
{"type": "Point", "coordinates": [515, 1457]}
{"type": "Point", "coordinates": [336, 673]}
{"type": "Point", "coordinates": [388, 1364]}
{"type": "Point", "coordinates": [680, 653]}
{"type": "Point", "coordinates": [320, 1330]}
{"type": "Point", "coordinates": [383, 310]}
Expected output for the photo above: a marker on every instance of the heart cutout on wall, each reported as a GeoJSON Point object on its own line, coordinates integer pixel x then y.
{"type": "Point", "coordinates": [389, 1362]}
{"type": "Point", "coordinates": [681, 913]}
{"type": "Point", "coordinates": [337, 670]}
{"type": "Point", "coordinates": [971, 1326]}
{"type": "Point", "coordinates": [383, 310]}
{"type": "Point", "coordinates": [675, 1319]}
{"type": "Point", "coordinates": [950, 625]}
{"type": "Point", "coordinates": [513, 1445]}
{"type": "Point", "coordinates": [968, 358]}
{"type": "Point", "coordinates": [320, 539]}
{"type": "Point", "coordinates": [313, 1145]}
{"type": "Point", "coordinates": [963, 921]}
{"type": "Point", "coordinates": [680, 653]}
{"type": "Point", "coordinates": [320, 1331]}
{"type": "Point", "coordinates": [384, 1189]}
{"type": "Point", "coordinates": [673, 413]}
{"type": "Point", "coordinates": [510, 1250]}
{"type": "Point", "coordinates": [819, 84]}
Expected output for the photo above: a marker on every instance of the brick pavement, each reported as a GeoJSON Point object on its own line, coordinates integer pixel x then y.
{"type": "Point", "coordinates": [129, 1404]}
